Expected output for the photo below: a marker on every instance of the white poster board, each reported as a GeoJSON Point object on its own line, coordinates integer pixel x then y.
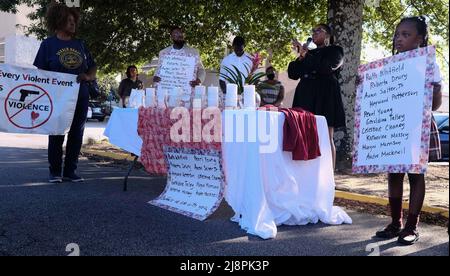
{"type": "Point", "coordinates": [36, 101]}
{"type": "Point", "coordinates": [177, 70]}
{"type": "Point", "coordinates": [195, 183]}
{"type": "Point", "coordinates": [393, 113]}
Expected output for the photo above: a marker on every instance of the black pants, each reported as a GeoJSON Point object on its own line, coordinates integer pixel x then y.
{"type": "Point", "coordinates": [74, 143]}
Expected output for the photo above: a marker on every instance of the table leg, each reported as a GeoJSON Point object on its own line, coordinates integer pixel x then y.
{"type": "Point", "coordinates": [125, 183]}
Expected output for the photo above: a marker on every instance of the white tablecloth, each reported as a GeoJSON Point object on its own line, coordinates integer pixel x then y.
{"type": "Point", "coordinates": [270, 189]}
{"type": "Point", "coordinates": [122, 130]}
{"type": "Point", "coordinates": [265, 190]}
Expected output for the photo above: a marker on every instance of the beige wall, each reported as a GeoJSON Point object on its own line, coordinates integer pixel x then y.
{"type": "Point", "coordinates": [9, 21]}
{"type": "Point", "coordinates": [16, 48]}
{"type": "Point", "coordinates": [7, 27]}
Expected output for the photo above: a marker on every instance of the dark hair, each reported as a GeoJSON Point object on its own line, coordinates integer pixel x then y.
{"type": "Point", "coordinates": [57, 16]}
{"type": "Point", "coordinates": [173, 28]}
{"type": "Point", "coordinates": [329, 31]}
{"type": "Point", "coordinates": [421, 26]}
{"type": "Point", "coordinates": [129, 70]}
{"type": "Point", "coordinates": [270, 67]}
{"type": "Point", "coordinates": [238, 41]}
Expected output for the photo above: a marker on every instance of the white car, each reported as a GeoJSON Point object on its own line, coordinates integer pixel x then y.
{"type": "Point", "coordinates": [89, 114]}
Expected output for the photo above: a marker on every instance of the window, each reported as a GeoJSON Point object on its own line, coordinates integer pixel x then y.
{"type": "Point", "coordinates": [2, 50]}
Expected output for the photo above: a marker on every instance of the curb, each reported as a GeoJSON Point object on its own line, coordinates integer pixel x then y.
{"type": "Point", "coordinates": [384, 202]}
{"type": "Point", "coordinates": [339, 194]}
{"type": "Point", "coordinates": [111, 155]}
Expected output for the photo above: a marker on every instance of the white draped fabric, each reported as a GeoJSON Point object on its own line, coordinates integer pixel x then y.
{"type": "Point", "coordinates": [122, 130]}
{"type": "Point", "coordinates": [265, 188]}
{"type": "Point", "coordinates": [270, 189]}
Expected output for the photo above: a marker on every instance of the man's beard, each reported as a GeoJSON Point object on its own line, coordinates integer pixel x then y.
{"type": "Point", "coordinates": [179, 44]}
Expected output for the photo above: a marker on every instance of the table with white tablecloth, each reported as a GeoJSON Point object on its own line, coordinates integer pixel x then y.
{"type": "Point", "coordinates": [264, 185]}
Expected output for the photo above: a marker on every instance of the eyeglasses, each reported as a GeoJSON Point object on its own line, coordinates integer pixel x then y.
{"type": "Point", "coordinates": [317, 31]}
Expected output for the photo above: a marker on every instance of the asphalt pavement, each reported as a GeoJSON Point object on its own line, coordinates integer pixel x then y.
{"type": "Point", "coordinates": [38, 218]}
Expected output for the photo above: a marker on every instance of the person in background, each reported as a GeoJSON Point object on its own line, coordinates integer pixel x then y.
{"type": "Point", "coordinates": [412, 33]}
{"type": "Point", "coordinates": [128, 84]}
{"type": "Point", "coordinates": [239, 58]}
{"type": "Point", "coordinates": [180, 46]}
{"type": "Point", "coordinates": [271, 90]}
{"type": "Point", "coordinates": [63, 53]}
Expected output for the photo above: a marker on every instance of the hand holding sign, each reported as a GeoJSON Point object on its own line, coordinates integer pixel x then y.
{"type": "Point", "coordinates": [393, 113]}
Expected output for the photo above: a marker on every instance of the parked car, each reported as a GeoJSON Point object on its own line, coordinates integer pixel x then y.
{"type": "Point", "coordinates": [98, 111]}
{"type": "Point", "coordinates": [89, 114]}
{"type": "Point", "coordinates": [442, 121]}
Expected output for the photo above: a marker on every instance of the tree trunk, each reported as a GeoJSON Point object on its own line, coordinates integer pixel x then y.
{"type": "Point", "coordinates": [346, 19]}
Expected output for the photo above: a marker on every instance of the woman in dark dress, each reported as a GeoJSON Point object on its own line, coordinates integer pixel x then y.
{"type": "Point", "coordinates": [319, 91]}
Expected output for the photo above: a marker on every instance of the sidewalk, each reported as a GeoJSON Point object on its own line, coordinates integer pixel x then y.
{"type": "Point", "coordinates": [42, 219]}
{"type": "Point", "coordinates": [437, 185]}
{"type": "Point", "coordinates": [93, 132]}
{"type": "Point", "coordinates": [366, 188]}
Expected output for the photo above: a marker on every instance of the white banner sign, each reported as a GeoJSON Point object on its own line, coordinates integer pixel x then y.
{"type": "Point", "coordinates": [35, 101]}
{"type": "Point", "coordinates": [393, 113]}
{"type": "Point", "coordinates": [177, 70]}
{"type": "Point", "coordinates": [195, 184]}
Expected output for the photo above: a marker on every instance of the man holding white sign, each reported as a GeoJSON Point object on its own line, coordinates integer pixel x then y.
{"type": "Point", "coordinates": [179, 67]}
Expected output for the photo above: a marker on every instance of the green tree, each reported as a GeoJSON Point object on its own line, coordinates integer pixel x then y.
{"type": "Point", "coordinates": [133, 32]}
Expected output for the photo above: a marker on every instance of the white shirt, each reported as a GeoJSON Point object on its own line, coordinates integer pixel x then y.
{"type": "Point", "coordinates": [243, 63]}
{"type": "Point", "coordinates": [437, 73]}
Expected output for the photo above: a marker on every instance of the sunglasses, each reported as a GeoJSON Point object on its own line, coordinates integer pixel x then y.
{"type": "Point", "coordinates": [317, 30]}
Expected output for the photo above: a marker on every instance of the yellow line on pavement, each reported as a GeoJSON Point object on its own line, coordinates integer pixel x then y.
{"type": "Point", "coordinates": [385, 202]}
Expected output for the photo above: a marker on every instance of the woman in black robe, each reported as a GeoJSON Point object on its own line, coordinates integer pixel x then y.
{"type": "Point", "coordinates": [319, 91]}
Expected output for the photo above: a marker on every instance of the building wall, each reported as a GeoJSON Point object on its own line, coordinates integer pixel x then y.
{"type": "Point", "coordinates": [15, 47]}
{"type": "Point", "coordinates": [8, 25]}
{"type": "Point", "coordinates": [21, 50]}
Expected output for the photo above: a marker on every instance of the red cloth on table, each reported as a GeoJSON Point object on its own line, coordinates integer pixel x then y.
{"type": "Point", "coordinates": [154, 128]}
{"type": "Point", "coordinates": [300, 134]}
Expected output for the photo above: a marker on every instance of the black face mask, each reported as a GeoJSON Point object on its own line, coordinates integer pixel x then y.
{"type": "Point", "coordinates": [271, 76]}
{"type": "Point", "coordinates": [179, 44]}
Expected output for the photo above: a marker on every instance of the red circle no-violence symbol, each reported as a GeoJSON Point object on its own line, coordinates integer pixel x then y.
{"type": "Point", "coordinates": [28, 106]}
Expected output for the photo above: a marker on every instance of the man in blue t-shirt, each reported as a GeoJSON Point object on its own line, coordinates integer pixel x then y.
{"type": "Point", "coordinates": [64, 54]}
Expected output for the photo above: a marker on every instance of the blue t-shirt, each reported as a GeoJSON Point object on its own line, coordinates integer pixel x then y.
{"type": "Point", "coordinates": [71, 57]}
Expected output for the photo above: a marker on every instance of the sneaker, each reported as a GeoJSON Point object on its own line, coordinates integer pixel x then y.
{"type": "Point", "coordinates": [390, 232]}
{"type": "Point", "coordinates": [72, 177]}
{"type": "Point", "coordinates": [408, 237]}
{"type": "Point", "coordinates": [55, 178]}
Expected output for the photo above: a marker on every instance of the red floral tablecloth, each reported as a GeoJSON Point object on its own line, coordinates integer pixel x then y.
{"type": "Point", "coordinates": [154, 127]}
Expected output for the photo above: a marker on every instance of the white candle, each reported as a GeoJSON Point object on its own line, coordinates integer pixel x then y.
{"type": "Point", "coordinates": [249, 96]}
{"type": "Point", "coordinates": [141, 99]}
{"type": "Point", "coordinates": [200, 91]}
{"type": "Point", "coordinates": [213, 96]}
{"type": "Point", "coordinates": [174, 97]}
{"type": "Point", "coordinates": [161, 95]}
{"type": "Point", "coordinates": [150, 97]}
{"type": "Point", "coordinates": [231, 96]}
{"type": "Point", "coordinates": [132, 101]}
{"type": "Point", "coordinates": [197, 103]}
{"type": "Point", "coordinates": [200, 94]}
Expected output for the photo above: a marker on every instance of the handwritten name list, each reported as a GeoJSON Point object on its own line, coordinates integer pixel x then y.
{"type": "Point", "coordinates": [177, 71]}
{"type": "Point", "coordinates": [392, 104]}
{"type": "Point", "coordinates": [195, 183]}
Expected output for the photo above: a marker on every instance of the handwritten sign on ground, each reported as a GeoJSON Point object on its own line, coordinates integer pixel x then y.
{"type": "Point", "coordinates": [195, 183]}
{"type": "Point", "coordinates": [177, 70]}
{"type": "Point", "coordinates": [35, 101]}
{"type": "Point", "coordinates": [393, 113]}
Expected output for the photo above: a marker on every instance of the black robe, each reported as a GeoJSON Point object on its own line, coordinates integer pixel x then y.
{"type": "Point", "coordinates": [319, 91]}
